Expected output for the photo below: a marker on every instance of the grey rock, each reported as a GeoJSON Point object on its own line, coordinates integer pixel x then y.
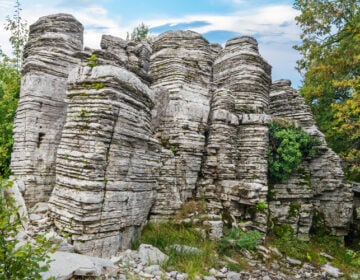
{"type": "Point", "coordinates": [66, 265]}
{"type": "Point", "coordinates": [327, 256]}
{"type": "Point", "coordinates": [234, 169]}
{"type": "Point", "coordinates": [330, 270]}
{"type": "Point", "coordinates": [40, 116]}
{"type": "Point", "coordinates": [293, 261]}
{"type": "Point", "coordinates": [151, 255]}
{"type": "Point", "coordinates": [152, 269]}
{"type": "Point", "coordinates": [209, 278]}
{"type": "Point", "coordinates": [107, 145]}
{"type": "Point", "coordinates": [233, 275]}
{"type": "Point", "coordinates": [181, 70]}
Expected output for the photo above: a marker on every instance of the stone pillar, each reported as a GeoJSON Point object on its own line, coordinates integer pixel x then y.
{"type": "Point", "coordinates": [41, 111]}
{"type": "Point", "coordinates": [235, 168]}
{"type": "Point", "coordinates": [318, 186]}
{"type": "Point", "coordinates": [180, 66]}
{"type": "Point", "coordinates": [107, 162]}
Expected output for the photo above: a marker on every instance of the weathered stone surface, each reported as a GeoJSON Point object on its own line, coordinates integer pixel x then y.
{"type": "Point", "coordinates": [107, 162]}
{"type": "Point", "coordinates": [143, 128]}
{"type": "Point", "coordinates": [134, 56]}
{"type": "Point", "coordinates": [151, 255]}
{"type": "Point", "coordinates": [181, 71]}
{"type": "Point", "coordinates": [320, 187]}
{"type": "Point", "coordinates": [42, 108]}
{"type": "Point", "coordinates": [234, 172]}
{"type": "Point", "coordinates": [68, 265]}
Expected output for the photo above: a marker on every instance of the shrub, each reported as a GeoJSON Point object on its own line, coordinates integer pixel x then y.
{"type": "Point", "coordinates": [237, 238]}
{"type": "Point", "coordinates": [288, 147]}
{"type": "Point", "coordinates": [19, 261]}
{"type": "Point", "coordinates": [164, 235]}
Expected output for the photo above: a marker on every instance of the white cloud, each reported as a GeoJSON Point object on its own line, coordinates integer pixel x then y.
{"type": "Point", "coordinates": [273, 25]}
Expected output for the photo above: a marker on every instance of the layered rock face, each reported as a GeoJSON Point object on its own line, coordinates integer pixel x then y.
{"type": "Point", "coordinates": [181, 71]}
{"type": "Point", "coordinates": [132, 131]}
{"type": "Point", "coordinates": [317, 190]}
{"type": "Point", "coordinates": [107, 161]}
{"type": "Point", "coordinates": [234, 173]}
{"type": "Point", "coordinates": [41, 111]}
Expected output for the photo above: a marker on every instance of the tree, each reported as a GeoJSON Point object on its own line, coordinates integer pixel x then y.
{"type": "Point", "coordinates": [10, 86]}
{"type": "Point", "coordinates": [9, 95]}
{"type": "Point", "coordinates": [140, 33]}
{"type": "Point", "coordinates": [19, 260]}
{"type": "Point", "coordinates": [19, 32]}
{"type": "Point", "coordinates": [330, 62]}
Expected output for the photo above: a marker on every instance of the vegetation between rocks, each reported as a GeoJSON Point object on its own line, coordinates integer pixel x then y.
{"type": "Point", "coordinates": [288, 147]}
{"type": "Point", "coordinates": [24, 259]}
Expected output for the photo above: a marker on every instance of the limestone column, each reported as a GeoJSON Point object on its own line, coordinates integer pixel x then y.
{"type": "Point", "coordinates": [48, 59]}
{"type": "Point", "coordinates": [235, 168]}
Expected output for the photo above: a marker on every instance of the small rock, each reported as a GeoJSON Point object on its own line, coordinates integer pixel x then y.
{"type": "Point", "coordinates": [145, 275]}
{"type": "Point", "coordinates": [35, 217]}
{"type": "Point", "coordinates": [293, 261]}
{"type": "Point", "coordinates": [233, 276]}
{"type": "Point", "coordinates": [264, 249]}
{"type": "Point", "coordinates": [275, 266]}
{"type": "Point", "coordinates": [326, 256]}
{"type": "Point", "coordinates": [152, 268]}
{"type": "Point", "coordinates": [266, 277]}
{"type": "Point", "coordinates": [40, 208]}
{"type": "Point", "coordinates": [246, 254]}
{"type": "Point", "coordinates": [209, 278]}
{"type": "Point", "coordinates": [151, 255]}
{"type": "Point", "coordinates": [275, 251]}
{"type": "Point", "coordinates": [330, 270]}
{"type": "Point", "coordinates": [224, 270]}
{"type": "Point", "coordinates": [173, 274]}
{"type": "Point", "coordinates": [213, 271]}
{"type": "Point", "coordinates": [230, 260]}
{"type": "Point", "coordinates": [181, 276]}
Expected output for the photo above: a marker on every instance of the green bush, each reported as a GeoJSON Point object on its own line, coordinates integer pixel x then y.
{"type": "Point", "coordinates": [9, 96]}
{"type": "Point", "coordinates": [164, 235]}
{"type": "Point", "coordinates": [288, 147]}
{"type": "Point", "coordinates": [236, 238]}
{"type": "Point", "coordinates": [19, 261]}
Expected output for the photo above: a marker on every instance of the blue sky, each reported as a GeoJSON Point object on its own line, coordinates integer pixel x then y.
{"type": "Point", "coordinates": [270, 22]}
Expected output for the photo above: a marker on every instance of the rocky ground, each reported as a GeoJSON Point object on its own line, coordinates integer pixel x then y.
{"type": "Point", "coordinates": [145, 263]}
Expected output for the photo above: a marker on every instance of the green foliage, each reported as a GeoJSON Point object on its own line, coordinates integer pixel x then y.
{"type": "Point", "coordinates": [261, 206]}
{"type": "Point", "coordinates": [164, 235]}
{"type": "Point", "coordinates": [19, 261]}
{"type": "Point", "coordinates": [92, 60]}
{"type": "Point", "coordinates": [19, 34]}
{"type": "Point", "coordinates": [330, 61]}
{"type": "Point", "coordinates": [9, 94]}
{"type": "Point", "coordinates": [282, 237]}
{"type": "Point", "coordinates": [287, 148]}
{"type": "Point", "coordinates": [294, 209]}
{"type": "Point", "coordinates": [10, 86]}
{"type": "Point", "coordinates": [236, 238]}
{"type": "Point", "coordinates": [140, 33]}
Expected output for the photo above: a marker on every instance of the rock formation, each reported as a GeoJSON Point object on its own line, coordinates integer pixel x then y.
{"type": "Point", "coordinates": [234, 173]}
{"type": "Point", "coordinates": [181, 71]}
{"type": "Point", "coordinates": [48, 59]}
{"type": "Point", "coordinates": [107, 161]}
{"type": "Point", "coordinates": [132, 131]}
{"type": "Point", "coordinates": [318, 188]}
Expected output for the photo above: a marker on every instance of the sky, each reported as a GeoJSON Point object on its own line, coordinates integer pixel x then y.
{"type": "Point", "coordinates": [271, 22]}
